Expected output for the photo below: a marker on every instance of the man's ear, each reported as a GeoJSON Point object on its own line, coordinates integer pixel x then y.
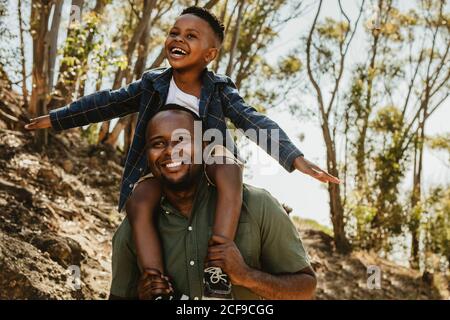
{"type": "Point", "coordinates": [211, 54]}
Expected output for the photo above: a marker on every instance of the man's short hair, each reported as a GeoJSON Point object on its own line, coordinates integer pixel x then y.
{"type": "Point", "coordinates": [173, 106]}
{"type": "Point", "coordinates": [209, 17]}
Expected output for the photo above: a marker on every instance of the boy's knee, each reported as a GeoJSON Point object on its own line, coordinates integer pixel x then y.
{"type": "Point", "coordinates": [144, 198]}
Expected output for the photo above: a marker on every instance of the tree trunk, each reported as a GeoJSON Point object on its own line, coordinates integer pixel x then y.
{"type": "Point", "coordinates": [66, 82]}
{"type": "Point", "coordinates": [143, 47]}
{"type": "Point", "coordinates": [336, 208]}
{"type": "Point", "coordinates": [417, 186]}
{"type": "Point", "coordinates": [138, 31]}
{"type": "Point", "coordinates": [53, 42]}
{"type": "Point", "coordinates": [235, 39]}
{"type": "Point", "coordinates": [98, 11]}
{"type": "Point", "coordinates": [113, 137]}
{"type": "Point", "coordinates": [40, 11]}
{"type": "Point", "coordinates": [138, 35]}
{"type": "Point", "coordinates": [22, 56]}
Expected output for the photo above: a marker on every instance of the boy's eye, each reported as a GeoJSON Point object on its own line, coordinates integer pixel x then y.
{"type": "Point", "coordinates": [190, 36]}
{"type": "Point", "coordinates": [157, 144]}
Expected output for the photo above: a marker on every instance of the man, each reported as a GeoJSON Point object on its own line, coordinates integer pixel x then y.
{"type": "Point", "coordinates": [266, 260]}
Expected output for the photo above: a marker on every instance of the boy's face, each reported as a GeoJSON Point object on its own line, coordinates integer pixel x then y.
{"type": "Point", "coordinates": [191, 43]}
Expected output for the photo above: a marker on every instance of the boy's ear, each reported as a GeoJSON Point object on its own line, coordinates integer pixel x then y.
{"type": "Point", "coordinates": [211, 54]}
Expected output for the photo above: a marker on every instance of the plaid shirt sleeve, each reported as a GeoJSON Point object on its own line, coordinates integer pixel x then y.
{"type": "Point", "coordinates": [246, 117]}
{"type": "Point", "coordinates": [100, 106]}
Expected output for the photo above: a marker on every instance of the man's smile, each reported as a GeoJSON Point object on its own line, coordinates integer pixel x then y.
{"type": "Point", "coordinates": [172, 166]}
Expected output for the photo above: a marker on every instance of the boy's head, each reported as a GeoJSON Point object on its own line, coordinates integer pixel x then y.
{"type": "Point", "coordinates": [194, 40]}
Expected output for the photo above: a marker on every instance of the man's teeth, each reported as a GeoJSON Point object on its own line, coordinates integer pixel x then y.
{"type": "Point", "coordinates": [178, 51]}
{"type": "Point", "coordinates": [173, 164]}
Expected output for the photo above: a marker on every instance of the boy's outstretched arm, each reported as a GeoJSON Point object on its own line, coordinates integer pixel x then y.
{"type": "Point", "coordinates": [245, 117]}
{"type": "Point", "coordinates": [100, 106]}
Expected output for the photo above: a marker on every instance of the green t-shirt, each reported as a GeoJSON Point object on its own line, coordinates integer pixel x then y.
{"type": "Point", "coordinates": [266, 238]}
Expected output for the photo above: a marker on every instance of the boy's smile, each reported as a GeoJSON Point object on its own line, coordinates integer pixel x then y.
{"type": "Point", "coordinates": [190, 43]}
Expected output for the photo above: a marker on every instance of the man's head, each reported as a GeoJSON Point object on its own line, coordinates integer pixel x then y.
{"type": "Point", "coordinates": [170, 147]}
{"type": "Point", "coordinates": [194, 40]}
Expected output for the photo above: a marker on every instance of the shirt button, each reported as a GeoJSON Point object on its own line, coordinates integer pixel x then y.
{"type": "Point", "coordinates": [131, 185]}
{"type": "Point", "coordinates": [140, 169]}
{"type": "Point", "coordinates": [192, 262]}
{"type": "Point", "coordinates": [167, 212]}
{"type": "Point", "coordinates": [190, 228]}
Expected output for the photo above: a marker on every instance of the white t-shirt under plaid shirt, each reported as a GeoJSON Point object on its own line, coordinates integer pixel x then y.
{"type": "Point", "coordinates": [176, 96]}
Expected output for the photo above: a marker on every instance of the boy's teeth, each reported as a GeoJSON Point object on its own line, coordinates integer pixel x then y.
{"type": "Point", "coordinates": [173, 164]}
{"type": "Point", "coordinates": [178, 51]}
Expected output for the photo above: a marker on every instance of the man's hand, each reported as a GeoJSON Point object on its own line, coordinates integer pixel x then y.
{"type": "Point", "coordinates": [152, 283]}
{"type": "Point", "coordinates": [42, 122]}
{"type": "Point", "coordinates": [309, 168]}
{"type": "Point", "coordinates": [225, 254]}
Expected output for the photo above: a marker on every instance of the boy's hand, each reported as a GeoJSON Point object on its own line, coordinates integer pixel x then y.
{"type": "Point", "coordinates": [42, 122]}
{"type": "Point", "coordinates": [307, 167]}
{"type": "Point", "coordinates": [152, 284]}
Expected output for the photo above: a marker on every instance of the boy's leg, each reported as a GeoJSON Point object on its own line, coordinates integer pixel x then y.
{"type": "Point", "coordinates": [226, 175]}
{"type": "Point", "coordinates": [141, 208]}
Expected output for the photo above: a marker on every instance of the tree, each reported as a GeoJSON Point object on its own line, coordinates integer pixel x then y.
{"type": "Point", "coordinates": [331, 41]}
{"type": "Point", "coordinates": [22, 55]}
{"type": "Point", "coordinates": [403, 82]}
{"type": "Point", "coordinates": [40, 13]}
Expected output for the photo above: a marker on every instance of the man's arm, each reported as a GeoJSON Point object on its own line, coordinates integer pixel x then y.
{"type": "Point", "coordinates": [99, 106]}
{"type": "Point", "coordinates": [288, 286]}
{"type": "Point", "coordinates": [297, 286]}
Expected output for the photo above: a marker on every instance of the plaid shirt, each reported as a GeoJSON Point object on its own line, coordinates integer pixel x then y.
{"type": "Point", "coordinates": [219, 100]}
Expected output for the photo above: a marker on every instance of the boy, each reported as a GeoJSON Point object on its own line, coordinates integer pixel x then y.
{"type": "Point", "coordinates": [193, 42]}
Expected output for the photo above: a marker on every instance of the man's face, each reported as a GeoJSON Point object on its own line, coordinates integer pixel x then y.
{"type": "Point", "coordinates": [191, 43]}
{"type": "Point", "coordinates": [170, 148]}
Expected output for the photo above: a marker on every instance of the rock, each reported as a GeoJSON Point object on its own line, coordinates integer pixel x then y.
{"type": "Point", "coordinates": [428, 277]}
{"type": "Point", "coordinates": [49, 176]}
{"type": "Point", "coordinates": [28, 279]}
{"type": "Point", "coordinates": [93, 162]}
{"type": "Point", "coordinates": [20, 193]}
{"type": "Point", "coordinates": [62, 250]}
{"type": "Point", "coordinates": [67, 165]}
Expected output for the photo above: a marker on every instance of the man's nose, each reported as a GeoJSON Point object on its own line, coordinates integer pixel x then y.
{"type": "Point", "coordinates": [168, 150]}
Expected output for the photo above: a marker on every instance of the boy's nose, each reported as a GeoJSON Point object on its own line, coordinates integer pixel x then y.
{"type": "Point", "coordinates": [179, 38]}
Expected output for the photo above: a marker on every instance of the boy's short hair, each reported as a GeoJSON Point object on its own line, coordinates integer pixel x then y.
{"type": "Point", "coordinates": [209, 17]}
